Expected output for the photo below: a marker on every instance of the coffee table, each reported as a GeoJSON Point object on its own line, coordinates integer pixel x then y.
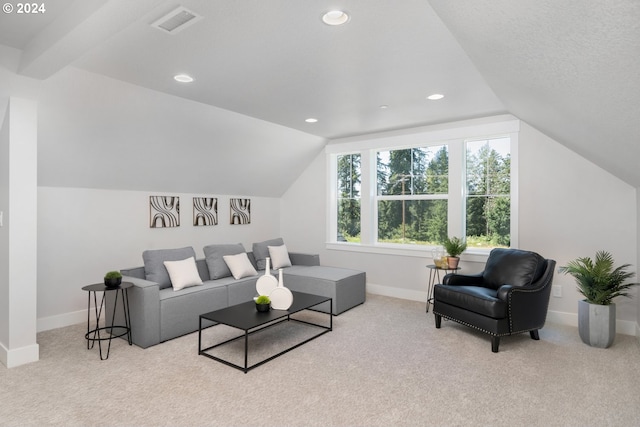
{"type": "Point", "coordinates": [246, 318]}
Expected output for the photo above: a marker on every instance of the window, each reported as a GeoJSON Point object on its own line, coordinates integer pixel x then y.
{"type": "Point", "coordinates": [407, 192]}
{"type": "Point", "coordinates": [348, 203]}
{"type": "Point", "coordinates": [488, 201]}
{"type": "Point", "coordinates": [412, 192]}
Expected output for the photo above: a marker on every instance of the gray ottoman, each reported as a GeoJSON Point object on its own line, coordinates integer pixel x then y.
{"type": "Point", "coordinates": [346, 287]}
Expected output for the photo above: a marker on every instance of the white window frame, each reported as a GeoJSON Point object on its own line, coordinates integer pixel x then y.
{"type": "Point", "coordinates": [455, 136]}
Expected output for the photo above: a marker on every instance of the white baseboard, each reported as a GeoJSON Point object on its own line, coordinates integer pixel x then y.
{"type": "Point", "coordinates": [19, 356]}
{"type": "Point", "coordinates": [625, 327]}
{"type": "Point", "coordinates": [61, 320]}
{"type": "Point", "coordinates": [388, 291]}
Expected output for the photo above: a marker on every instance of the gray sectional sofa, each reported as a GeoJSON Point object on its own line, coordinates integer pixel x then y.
{"type": "Point", "coordinates": [159, 312]}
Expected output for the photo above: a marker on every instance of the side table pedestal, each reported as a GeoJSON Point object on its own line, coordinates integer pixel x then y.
{"type": "Point", "coordinates": [434, 275]}
{"type": "Point", "coordinates": [109, 332]}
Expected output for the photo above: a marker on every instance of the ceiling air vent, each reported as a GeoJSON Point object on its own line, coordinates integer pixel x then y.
{"type": "Point", "coordinates": [176, 20]}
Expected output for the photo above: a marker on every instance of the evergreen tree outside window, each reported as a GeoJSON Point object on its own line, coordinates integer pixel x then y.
{"type": "Point", "coordinates": [412, 192]}
{"type": "Point", "coordinates": [488, 198]}
{"type": "Point", "coordinates": [349, 180]}
{"type": "Point", "coordinates": [402, 193]}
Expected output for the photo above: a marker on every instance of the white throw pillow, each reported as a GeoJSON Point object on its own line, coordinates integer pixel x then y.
{"type": "Point", "coordinates": [240, 265]}
{"type": "Point", "coordinates": [183, 273]}
{"type": "Point", "coordinates": [279, 257]}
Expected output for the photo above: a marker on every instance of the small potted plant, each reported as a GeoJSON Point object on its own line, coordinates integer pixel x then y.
{"type": "Point", "coordinates": [112, 279]}
{"type": "Point", "coordinates": [454, 247]}
{"type": "Point", "coordinates": [600, 282]}
{"type": "Point", "coordinates": [263, 303]}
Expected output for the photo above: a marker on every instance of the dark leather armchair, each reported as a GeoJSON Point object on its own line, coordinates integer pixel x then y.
{"type": "Point", "coordinates": [509, 297]}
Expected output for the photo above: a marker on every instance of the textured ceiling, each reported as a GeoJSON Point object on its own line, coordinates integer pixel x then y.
{"type": "Point", "coordinates": [568, 68]}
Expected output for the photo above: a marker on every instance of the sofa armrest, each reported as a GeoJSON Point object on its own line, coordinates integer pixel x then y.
{"type": "Point", "coordinates": [134, 272]}
{"type": "Point", "coordinates": [304, 259]}
{"type": "Point", "coordinates": [140, 283]}
{"type": "Point", "coordinates": [144, 311]}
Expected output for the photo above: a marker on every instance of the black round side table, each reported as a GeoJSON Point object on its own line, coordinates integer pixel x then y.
{"type": "Point", "coordinates": [93, 335]}
{"type": "Point", "coordinates": [434, 274]}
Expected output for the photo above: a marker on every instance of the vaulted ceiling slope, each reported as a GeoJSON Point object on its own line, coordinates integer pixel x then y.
{"type": "Point", "coordinates": [568, 68]}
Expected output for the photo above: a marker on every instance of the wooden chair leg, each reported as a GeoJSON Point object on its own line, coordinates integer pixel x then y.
{"type": "Point", "coordinates": [495, 343]}
{"type": "Point", "coordinates": [438, 320]}
{"type": "Point", "coordinates": [534, 335]}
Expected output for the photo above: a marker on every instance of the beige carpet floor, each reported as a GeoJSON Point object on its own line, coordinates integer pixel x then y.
{"type": "Point", "coordinates": [384, 364]}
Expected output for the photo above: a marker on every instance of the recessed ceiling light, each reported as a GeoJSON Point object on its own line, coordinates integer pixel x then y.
{"type": "Point", "coordinates": [311, 120]}
{"type": "Point", "coordinates": [384, 107]}
{"type": "Point", "coordinates": [435, 96]}
{"type": "Point", "coordinates": [183, 78]}
{"type": "Point", "coordinates": [335, 17]}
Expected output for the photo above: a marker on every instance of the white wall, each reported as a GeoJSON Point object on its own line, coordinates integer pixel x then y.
{"type": "Point", "coordinates": [97, 132]}
{"type": "Point", "coordinates": [568, 208]}
{"type": "Point", "coordinates": [18, 235]}
{"type": "Point", "coordinates": [571, 208]}
{"type": "Point", "coordinates": [83, 233]}
{"type": "Point", "coordinates": [104, 143]}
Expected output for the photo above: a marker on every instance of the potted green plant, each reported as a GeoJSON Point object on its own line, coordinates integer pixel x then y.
{"type": "Point", "coordinates": [454, 247]}
{"type": "Point", "coordinates": [599, 282]}
{"type": "Point", "coordinates": [112, 279]}
{"type": "Point", "coordinates": [263, 303]}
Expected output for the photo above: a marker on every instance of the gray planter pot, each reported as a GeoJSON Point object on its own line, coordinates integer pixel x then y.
{"type": "Point", "coordinates": [597, 324]}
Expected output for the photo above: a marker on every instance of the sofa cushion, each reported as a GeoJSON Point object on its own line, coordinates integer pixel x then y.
{"type": "Point", "coordinates": [183, 273]}
{"type": "Point", "coordinates": [240, 265]}
{"type": "Point", "coordinates": [215, 262]}
{"type": "Point", "coordinates": [154, 259]}
{"type": "Point", "coordinates": [512, 267]}
{"type": "Point", "coordinates": [261, 251]}
{"type": "Point", "coordinates": [279, 257]}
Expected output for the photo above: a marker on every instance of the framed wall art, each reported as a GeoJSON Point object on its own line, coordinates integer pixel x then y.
{"type": "Point", "coordinates": [164, 211]}
{"type": "Point", "coordinates": [205, 211]}
{"type": "Point", "coordinates": [240, 211]}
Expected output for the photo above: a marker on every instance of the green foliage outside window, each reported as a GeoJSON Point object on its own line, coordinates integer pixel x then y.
{"type": "Point", "coordinates": [410, 174]}
{"type": "Point", "coordinates": [488, 194]}
{"type": "Point", "coordinates": [349, 180]}
{"type": "Point", "coordinates": [413, 189]}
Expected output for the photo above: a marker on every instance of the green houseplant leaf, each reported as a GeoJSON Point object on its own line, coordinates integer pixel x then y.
{"type": "Point", "coordinates": [263, 299]}
{"type": "Point", "coordinates": [113, 275]}
{"type": "Point", "coordinates": [454, 246]}
{"type": "Point", "coordinates": [599, 281]}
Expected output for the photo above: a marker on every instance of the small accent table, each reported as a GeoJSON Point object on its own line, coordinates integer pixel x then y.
{"type": "Point", "coordinates": [434, 274]}
{"type": "Point", "coordinates": [93, 335]}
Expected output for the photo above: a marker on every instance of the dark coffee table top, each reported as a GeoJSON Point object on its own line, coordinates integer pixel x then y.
{"type": "Point", "coordinates": [245, 316]}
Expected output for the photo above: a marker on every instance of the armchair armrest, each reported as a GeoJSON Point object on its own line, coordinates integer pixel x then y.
{"type": "Point", "coordinates": [462, 279]}
{"type": "Point", "coordinates": [503, 292]}
{"type": "Point", "coordinates": [528, 304]}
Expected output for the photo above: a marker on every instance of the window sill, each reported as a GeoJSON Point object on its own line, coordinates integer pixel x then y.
{"type": "Point", "coordinates": [474, 255]}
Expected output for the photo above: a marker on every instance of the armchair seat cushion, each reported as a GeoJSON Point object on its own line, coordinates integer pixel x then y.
{"type": "Point", "coordinates": [483, 301]}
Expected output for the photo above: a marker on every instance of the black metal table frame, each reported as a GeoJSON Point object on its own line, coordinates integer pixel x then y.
{"type": "Point", "coordinates": [250, 331]}
{"type": "Point", "coordinates": [91, 340]}
{"type": "Point", "coordinates": [434, 274]}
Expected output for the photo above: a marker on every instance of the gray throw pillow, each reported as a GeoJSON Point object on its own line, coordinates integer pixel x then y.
{"type": "Point", "coordinates": [154, 259]}
{"type": "Point", "coordinates": [261, 250]}
{"type": "Point", "coordinates": [215, 262]}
